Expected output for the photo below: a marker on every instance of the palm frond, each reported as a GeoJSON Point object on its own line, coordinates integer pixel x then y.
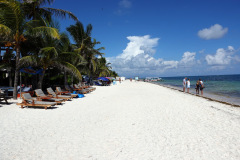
{"type": "Point", "coordinates": [48, 53]}
{"type": "Point", "coordinates": [89, 30]}
{"type": "Point", "coordinates": [70, 68]}
{"type": "Point", "coordinates": [27, 61]}
{"type": "Point", "coordinates": [61, 13]}
{"type": "Point", "coordinates": [13, 13]}
{"type": "Point", "coordinates": [5, 31]}
{"type": "Point", "coordinates": [77, 32]}
{"type": "Point", "coordinates": [46, 31]}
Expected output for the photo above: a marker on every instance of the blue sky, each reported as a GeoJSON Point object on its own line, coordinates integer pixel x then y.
{"type": "Point", "coordinates": [163, 37]}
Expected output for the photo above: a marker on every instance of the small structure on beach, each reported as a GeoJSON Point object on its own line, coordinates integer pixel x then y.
{"type": "Point", "coordinates": [121, 78]}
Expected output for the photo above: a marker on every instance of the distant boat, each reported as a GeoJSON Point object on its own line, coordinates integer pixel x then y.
{"type": "Point", "coordinates": [152, 79]}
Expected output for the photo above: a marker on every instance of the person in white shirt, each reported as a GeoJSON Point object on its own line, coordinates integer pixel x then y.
{"type": "Point", "coordinates": [201, 85]}
{"type": "Point", "coordinates": [184, 84]}
{"type": "Point", "coordinates": [188, 85]}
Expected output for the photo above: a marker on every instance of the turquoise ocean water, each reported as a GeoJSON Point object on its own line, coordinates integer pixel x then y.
{"type": "Point", "coordinates": [221, 87]}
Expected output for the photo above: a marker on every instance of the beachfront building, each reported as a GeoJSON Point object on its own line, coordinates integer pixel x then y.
{"type": "Point", "coordinates": [122, 78]}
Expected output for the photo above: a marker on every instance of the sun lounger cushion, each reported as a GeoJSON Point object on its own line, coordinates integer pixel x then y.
{"type": "Point", "coordinates": [30, 99]}
{"type": "Point", "coordinates": [40, 93]}
{"type": "Point", "coordinates": [54, 94]}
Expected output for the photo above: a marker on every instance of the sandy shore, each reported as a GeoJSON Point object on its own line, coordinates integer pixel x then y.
{"type": "Point", "coordinates": [129, 121]}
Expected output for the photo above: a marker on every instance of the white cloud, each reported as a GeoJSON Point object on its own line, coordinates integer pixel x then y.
{"type": "Point", "coordinates": [125, 4]}
{"type": "Point", "coordinates": [188, 58]}
{"type": "Point", "coordinates": [138, 58]}
{"type": "Point", "coordinates": [170, 64]}
{"type": "Point", "coordinates": [214, 32]}
{"type": "Point", "coordinates": [139, 45]}
{"type": "Point", "coordinates": [221, 57]}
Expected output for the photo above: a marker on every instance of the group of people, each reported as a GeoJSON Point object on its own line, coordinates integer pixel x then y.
{"type": "Point", "coordinates": [187, 84]}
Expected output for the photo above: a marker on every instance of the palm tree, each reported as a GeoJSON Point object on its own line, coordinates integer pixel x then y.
{"type": "Point", "coordinates": [113, 74]}
{"type": "Point", "coordinates": [68, 55]}
{"type": "Point", "coordinates": [103, 68]}
{"type": "Point", "coordinates": [12, 27]}
{"type": "Point", "coordinates": [80, 36]}
{"type": "Point", "coordinates": [34, 10]}
{"type": "Point", "coordinates": [51, 56]}
{"type": "Point", "coordinates": [91, 55]}
{"type": "Point", "coordinates": [85, 46]}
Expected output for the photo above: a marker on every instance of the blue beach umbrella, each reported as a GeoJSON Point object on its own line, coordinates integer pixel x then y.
{"type": "Point", "coordinates": [31, 71]}
{"type": "Point", "coordinates": [103, 79]}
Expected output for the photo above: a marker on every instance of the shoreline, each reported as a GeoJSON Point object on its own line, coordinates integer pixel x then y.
{"type": "Point", "coordinates": [198, 95]}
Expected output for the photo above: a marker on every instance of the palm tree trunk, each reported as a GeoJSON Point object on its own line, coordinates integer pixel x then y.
{"type": "Point", "coordinates": [16, 72]}
{"type": "Point", "coordinates": [40, 82]}
{"type": "Point", "coordinates": [65, 78]}
{"type": "Point", "coordinates": [72, 79]}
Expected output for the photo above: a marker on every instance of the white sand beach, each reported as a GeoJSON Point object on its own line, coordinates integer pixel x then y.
{"type": "Point", "coordinates": [128, 121]}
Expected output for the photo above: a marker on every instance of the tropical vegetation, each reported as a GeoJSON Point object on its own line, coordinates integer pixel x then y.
{"type": "Point", "coordinates": [31, 37]}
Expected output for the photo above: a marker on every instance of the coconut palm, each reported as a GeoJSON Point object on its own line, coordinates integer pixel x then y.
{"type": "Point", "coordinates": [113, 74]}
{"type": "Point", "coordinates": [52, 56]}
{"type": "Point", "coordinates": [103, 68]}
{"type": "Point", "coordinates": [13, 25]}
{"type": "Point", "coordinates": [34, 10]}
{"type": "Point", "coordinates": [80, 36]}
{"type": "Point", "coordinates": [85, 46]}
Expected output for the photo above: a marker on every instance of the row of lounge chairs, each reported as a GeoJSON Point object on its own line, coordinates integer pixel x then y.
{"type": "Point", "coordinates": [53, 98]}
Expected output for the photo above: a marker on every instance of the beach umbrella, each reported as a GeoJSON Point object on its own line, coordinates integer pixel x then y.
{"type": "Point", "coordinates": [28, 70]}
{"type": "Point", "coordinates": [31, 71]}
{"type": "Point", "coordinates": [110, 78]}
{"type": "Point", "coordinates": [103, 79]}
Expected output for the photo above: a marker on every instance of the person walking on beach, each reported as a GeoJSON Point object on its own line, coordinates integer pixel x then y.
{"type": "Point", "coordinates": [197, 87]}
{"type": "Point", "coordinates": [184, 84]}
{"type": "Point", "coordinates": [188, 85]}
{"type": "Point", "coordinates": [201, 85]}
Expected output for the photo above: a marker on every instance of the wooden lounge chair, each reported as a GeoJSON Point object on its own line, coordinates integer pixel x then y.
{"type": "Point", "coordinates": [60, 92]}
{"type": "Point", "coordinates": [28, 100]}
{"type": "Point", "coordinates": [86, 87]}
{"type": "Point", "coordinates": [71, 89]}
{"type": "Point", "coordinates": [80, 91]}
{"type": "Point", "coordinates": [42, 96]}
{"type": "Point", "coordinates": [84, 91]}
{"type": "Point", "coordinates": [53, 94]}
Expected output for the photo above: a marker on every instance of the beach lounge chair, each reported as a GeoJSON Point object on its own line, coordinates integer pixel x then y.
{"type": "Point", "coordinates": [78, 90]}
{"type": "Point", "coordinates": [28, 100]}
{"type": "Point", "coordinates": [84, 91]}
{"type": "Point", "coordinates": [60, 92]}
{"type": "Point", "coordinates": [68, 88]}
{"type": "Point", "coordinates": [87, 87]}
{"type": "Point", "coordinates": [53, 94]}
{"type": "Point", "coordinates": [42, 96]}
{"type": "Point", "coordinates": [72, 89]}
{"type": "Point", "coordinates": [83, 88]}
